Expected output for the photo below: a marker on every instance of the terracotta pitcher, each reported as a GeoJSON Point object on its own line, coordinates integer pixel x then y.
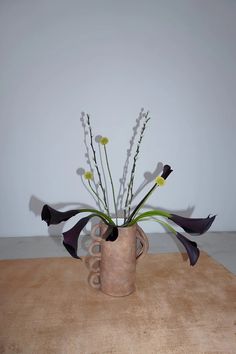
{"type": "Point", "coordinates": [113, 267]}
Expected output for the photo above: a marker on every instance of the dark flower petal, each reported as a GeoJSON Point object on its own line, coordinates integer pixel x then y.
{"type": "Point", "coordinates": [195, 226]}
{"type": "Point", "coordinates": [191, 248]}
{"type": "Point", "coordinates": [166, 171]}
{"type": "Point", "coordinates": [71, 236]}
{"type": "Point", "coordinates": [53, 216]}
{"type": "Point", "coordinates": [112, 233]}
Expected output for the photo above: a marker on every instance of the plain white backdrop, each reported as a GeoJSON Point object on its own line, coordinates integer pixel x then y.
{"type": "Point", "coordinates": [110, 58]}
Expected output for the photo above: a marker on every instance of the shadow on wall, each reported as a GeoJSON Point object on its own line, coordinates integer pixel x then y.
{"type": "Point", "coordinates": [36, 204]}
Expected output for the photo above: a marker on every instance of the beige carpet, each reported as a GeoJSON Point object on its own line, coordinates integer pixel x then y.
{"type": "Point", "coordinates": [47, 307]}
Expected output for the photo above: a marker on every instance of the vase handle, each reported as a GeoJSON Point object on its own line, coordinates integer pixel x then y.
{"type": "Point", "coordinates": [93, 232]}
{"type": "Point", "coordinates": [141, 236]}
{"type": "Point", "coordinates": [95, 257]}
{"type": "Point", "coordinates": [91, 249]}
{"type": "Point", "coordinates": [94, 280]}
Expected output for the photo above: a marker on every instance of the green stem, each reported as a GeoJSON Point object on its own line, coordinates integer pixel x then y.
{"type": "Point", "coordinates": [104, 175]}
{"type": "Point", "coordinates": [112, 186]}
{"type": "Point", "coordinates": [139, 206]}
{"type": "Point", "coordinates": [170, 228]}
{"type": "Point", "coordinates": [150, 213]}
{"type": "Point", "coordinates": [110, 221]}
{"type": "Point", "coordinates": [98, 197]}
{"type": "Point", "coordinates": [167, 226]}
{"type": "Point", "coordinates": [95, 199]}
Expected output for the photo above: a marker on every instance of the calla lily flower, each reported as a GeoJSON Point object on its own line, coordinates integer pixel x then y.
{"type": "Point", "coordinates": [193, 226]}
{"type": "Point", "coordinates": [191, 248]}
{"type": "Point", "coordinates": [71, 236]}
{"type": "Point", "coordinates": [111, 234]}
{"type": "Point", "coordinates": [166, 171]}
{"type": "Point", "coordinates": [52, 216]}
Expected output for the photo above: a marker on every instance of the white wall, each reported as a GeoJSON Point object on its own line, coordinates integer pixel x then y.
{"type": "Point", "coordinates": [110, 58]}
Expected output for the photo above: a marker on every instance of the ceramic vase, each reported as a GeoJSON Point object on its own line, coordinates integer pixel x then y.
{"type": "Point", "coordinates": [112, 264]}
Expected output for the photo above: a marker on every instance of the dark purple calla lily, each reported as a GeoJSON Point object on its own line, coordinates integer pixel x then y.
{"type": "Point", "coordinates": [193, 226]}
{"type": "Point", "coordinates": [111, 234]}
{"type": "Point", "coordinates": [166, 171]}
{"type": "Point", "coordinates": [52, 216]}
{"type": "Point", "coordinates": [191, 248]}
{"type": "Point", "coordinates": [71, 236]}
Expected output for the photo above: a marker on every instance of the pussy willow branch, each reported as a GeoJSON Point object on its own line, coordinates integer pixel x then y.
{"type": "Point", "coordinates": [96, 165]}
{"type": "Point", "coordinates": [130, 195]}
{"type": "Point", "coordinates": [88, 161]}
{"type": "Point", "coordinates": [122, 188]}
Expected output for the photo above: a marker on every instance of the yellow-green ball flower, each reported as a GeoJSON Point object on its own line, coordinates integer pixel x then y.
{"type": "Point", "coordinates": [160, 181]}
{"type": "Point", "coordinates": [104, 140]}
{"type": "Point", "coordinates": [88, 175]}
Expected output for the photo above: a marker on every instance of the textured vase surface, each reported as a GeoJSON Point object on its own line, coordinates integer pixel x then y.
{"type": "Point", "coordinates": [116, 260]}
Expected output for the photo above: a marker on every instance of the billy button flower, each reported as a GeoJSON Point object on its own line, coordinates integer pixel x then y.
{"type": "Point", "coordinates": [88, 175]}
{"type": "Point", "coordinates": [160, 181]}
{"type": "Point", "coordinates": [104, 140]}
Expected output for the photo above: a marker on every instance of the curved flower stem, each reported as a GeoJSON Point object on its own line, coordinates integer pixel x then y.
{"type": "Point", "coordinates": [89, 191]}
{"type": "Point", "coordinates": [112, 186]}
{"type": "Point", "coordinates": [150, 214]}
{"type": "Point", "coordinates": [170, 228]}
{"type": "Point", "coordinates": [99, 213]}
{"type": "Point", "coordinates": [167, 226]}
{"type": "Point", "coordinates": [89, 183]}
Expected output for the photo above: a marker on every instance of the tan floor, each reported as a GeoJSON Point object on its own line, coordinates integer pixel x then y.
{"type": "Point", "coordinates": [47, 307]}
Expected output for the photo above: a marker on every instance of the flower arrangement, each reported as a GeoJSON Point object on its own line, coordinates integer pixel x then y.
{"type": "Point", "coordinates": [96, 178]}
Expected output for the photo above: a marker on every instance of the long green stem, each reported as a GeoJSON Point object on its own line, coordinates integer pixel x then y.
{"type": "Point", "coordinates": [151, 214]}
{"type": "Point", "coordinates": [95, 199]}
{"type": "Point", "coordinates": [89, 183]}
{"type": "Point", "coordinates": [167, 226]}
{"type": "Point", "coordinates": [170, 228]}
{"type": "Point", "coordinates": [112, 186]}
{"type": "Point", "coordinates": [98, 213]}
{"type": "Point", "coordinates": [141, 203]}
{"type": "Point", "coordinates": [104, 175]}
